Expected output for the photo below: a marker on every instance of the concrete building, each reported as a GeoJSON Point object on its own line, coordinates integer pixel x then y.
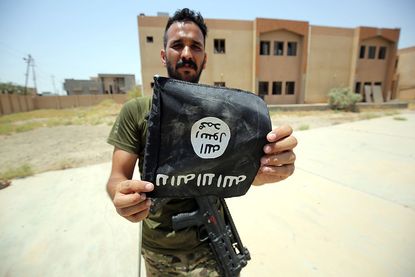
{"type": "Point", "coordinates": [406, 73]}
{"type": "Point", "coordinates": [103, 84]}
{"type": "Point", "coordinates": [116, 83]}
{"type": "Point", "coordinates": [284, 61]}
{"type": "Point", "coordinates": [80, 87]}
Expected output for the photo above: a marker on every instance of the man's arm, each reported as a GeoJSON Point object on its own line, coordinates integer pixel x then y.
{"type": "Point", "coordinates": [278, 162]}
{"type": "Point", "coordinates": [128, 195]}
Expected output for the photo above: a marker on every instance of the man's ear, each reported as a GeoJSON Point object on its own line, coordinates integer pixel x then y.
{"type": "Point", "coordinates": [163, 57]}
{"type": "Point", "coordinates": [205, 61]}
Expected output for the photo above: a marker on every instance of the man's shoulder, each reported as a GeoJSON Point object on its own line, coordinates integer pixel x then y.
{"type": "Point", "coordinates": [137, 105]}
{"type": "Point", "coordinates": [143, 101]}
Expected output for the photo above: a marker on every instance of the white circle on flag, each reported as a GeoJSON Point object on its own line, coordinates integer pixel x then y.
{"type": "Point", "coordinates": [210, 137]}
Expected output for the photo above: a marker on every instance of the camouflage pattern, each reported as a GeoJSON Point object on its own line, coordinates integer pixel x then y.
{"type": "Point", "coordinates": [199, 263]}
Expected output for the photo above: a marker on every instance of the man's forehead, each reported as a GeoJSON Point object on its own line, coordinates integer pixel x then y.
{"type": "Point", "coordinates": [185, 29]}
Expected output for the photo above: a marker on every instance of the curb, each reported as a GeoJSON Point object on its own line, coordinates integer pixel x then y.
{"type": "Point", "coordinates": [325, 107]}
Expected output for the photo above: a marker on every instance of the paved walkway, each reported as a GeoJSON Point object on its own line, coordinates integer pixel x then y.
{"type": "Point", "coordinates": [349, 210]}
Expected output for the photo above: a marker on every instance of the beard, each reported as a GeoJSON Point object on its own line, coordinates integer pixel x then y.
{"type": "Point", "coordinates": [172, 71]}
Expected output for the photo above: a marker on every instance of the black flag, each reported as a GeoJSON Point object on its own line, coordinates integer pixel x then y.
{"type": "Point", "coordinates": [203, 140]}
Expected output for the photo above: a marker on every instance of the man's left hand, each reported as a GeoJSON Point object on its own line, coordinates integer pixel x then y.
{"type": "Point", "coordinates": [278, 162]}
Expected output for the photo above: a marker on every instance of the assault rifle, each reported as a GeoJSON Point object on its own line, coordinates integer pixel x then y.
{"type": "Point", "coordinates": [219, 230]}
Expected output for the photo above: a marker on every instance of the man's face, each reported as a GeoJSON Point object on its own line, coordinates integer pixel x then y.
{"type": "Point", "coordinates": [184, 56]}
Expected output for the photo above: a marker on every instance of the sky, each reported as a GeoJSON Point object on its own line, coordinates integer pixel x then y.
{"type": "Point", "coordinates": [79, 39]}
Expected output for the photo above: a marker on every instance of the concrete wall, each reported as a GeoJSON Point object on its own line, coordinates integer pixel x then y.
{"type": "Point", "coordinates": [373, 70]}
{"type": "Point", "coordinates": [285, 68]}
{"type": "Point", "coordinates": [120, 83]}
{"type": "Point", "coordinates": [18, 103]}
{"type": "Point", "coordinates": [129, 83]}
{"type": "Point", "coordinates": [81, 87]}
{"type": "Point", "coordinates": [281, 68]}
{"type": "Point", "coordinates": [10, 103]}
{"type": "Point", "coordinates": [234, 66]}
{"type": "Point", "coordinates": [329, 61]}
{"type": "Point", "coordinates": [377, 70]}
{"type": "Point", "coordinates": [406, 71]}
{"type": "Point", "coordinates": [151, 26]}
{"type": "Point", "coordinates": [115, 83]}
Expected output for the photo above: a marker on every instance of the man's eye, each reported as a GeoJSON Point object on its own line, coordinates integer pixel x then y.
{"type": "Point", "coordinates": [176, 45]}
{"type": "Point", "coordinates": [197, 47]}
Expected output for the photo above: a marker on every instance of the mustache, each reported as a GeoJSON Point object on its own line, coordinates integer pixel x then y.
{"type": "Point", "coordinates": [183, 63]}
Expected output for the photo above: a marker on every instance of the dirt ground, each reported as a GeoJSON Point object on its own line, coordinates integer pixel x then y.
{"type": "Point", "coordinates": [62, 147]}
{"type": "Point", "coordinates": [56, 148]}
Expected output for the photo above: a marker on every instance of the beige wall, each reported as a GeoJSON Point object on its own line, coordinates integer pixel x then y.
{"type": "Point", "coordinates": [329, 61]}
{"type": "Point", "coordinates": [281, 30]}
{"type": "Point", "coordinates": [82, 92]}
{"type": "Point", "coordinates": [235, 65]}
{"type": "Point", "coordinates": [378, 70]}
{"type": "Point", "coordinates": [109, 83]}
{"type": "Point", "coordinates": [150, 52]}
{"type": "Point", "coordinates": [18, 103]}
{"type": "Point", "coordinates": [10, 103]}
{"type": "Point", "coordinates": [373, 70]}
{"type": "Point", "coordinates": [105, 85]}
{"type": "Point", "coordinates": [281, 68]}
{"type": "Point", "coordinates": [407, 94]}
{"type": "Point", "coordinates": [406, 71]}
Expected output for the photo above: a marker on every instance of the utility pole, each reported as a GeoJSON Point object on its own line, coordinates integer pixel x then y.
{"type": "Point", "coordinates": [54, 86]}
{"type": "Point", "coordinates": [30, 63]}
{"type": "Point", "coordinates": [34, 75]}
{"type": "Point", "coordinates": [27, 60]}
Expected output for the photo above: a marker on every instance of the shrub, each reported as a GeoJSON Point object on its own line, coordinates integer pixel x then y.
{"type": "Point", "coordinates": [343, 99]}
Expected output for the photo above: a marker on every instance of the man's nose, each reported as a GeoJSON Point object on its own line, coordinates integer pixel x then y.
{"type": "Point", "coordinates": [187, 53]}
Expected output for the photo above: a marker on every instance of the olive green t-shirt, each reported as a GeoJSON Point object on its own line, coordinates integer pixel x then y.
{"type": "Point", "coordinates": [129, 133]}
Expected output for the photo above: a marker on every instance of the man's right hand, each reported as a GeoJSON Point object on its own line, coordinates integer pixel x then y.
{"type": "Point", "coordinates": [130, 199]}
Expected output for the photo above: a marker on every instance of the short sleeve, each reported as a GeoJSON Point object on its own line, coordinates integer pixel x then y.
{"type": "Point", "coordinates": [128, 131]}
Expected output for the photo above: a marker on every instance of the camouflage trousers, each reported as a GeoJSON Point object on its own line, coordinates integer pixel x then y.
{"type": "Point", "coordinates": [199, 263]}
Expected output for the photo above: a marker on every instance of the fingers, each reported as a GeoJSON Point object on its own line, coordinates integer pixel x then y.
{"type": "Point", "coordinates": [287, 157]}
{"type": "Point", "coordinates": [137, 212]}
{"type": "Point", "coordinates": [281, 171]}
{"type": "Point", "coordinates": [130, 199]}
{"type": "Point", "coordinates": [277, 167]}
{"type": "Point", "coordinates": [278, 162]}
{"type": "Point", "coordinates": [138, 216]}
{"type": "Point", "coordinates": [281, 145]}
{"type": "Point", "coordinates": [129, 186]}
{"type": "Point", "coordinates": [272, 174]}
{"type": "Point", "coordinates": [126, 200]}
{"type": "Point", "coordinates": [280, 139]}
{"type": "Point", "coordinates": [128, 211]}
{"type": "Point", "coordinates": [130, 193]}
{"type": "Point", "coordinates": [279, 133]}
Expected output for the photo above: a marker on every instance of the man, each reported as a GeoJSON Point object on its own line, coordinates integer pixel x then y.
{"type": "Point", "coordinates": [168, 252]}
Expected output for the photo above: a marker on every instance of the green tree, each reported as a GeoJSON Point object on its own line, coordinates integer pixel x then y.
{"type": "Point", "coordinates": [10, 88]}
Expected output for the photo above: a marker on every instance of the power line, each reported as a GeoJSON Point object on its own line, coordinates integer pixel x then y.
{"type": "Point", "coordinates": [39, 75]}
{"type": "Point", "coordinates": [12, 50]}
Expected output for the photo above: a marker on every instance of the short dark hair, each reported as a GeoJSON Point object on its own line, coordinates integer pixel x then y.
{"type": "Point", "coordinates": [184, 15]}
